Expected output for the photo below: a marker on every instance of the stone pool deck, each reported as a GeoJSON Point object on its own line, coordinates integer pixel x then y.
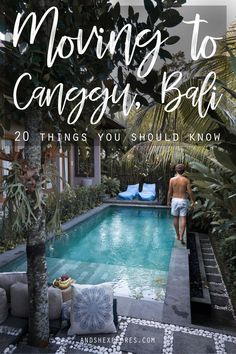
{"type": "Point", "coordinates": [144, 326]}
{"type": "Point", "coordinates": [138, 336]}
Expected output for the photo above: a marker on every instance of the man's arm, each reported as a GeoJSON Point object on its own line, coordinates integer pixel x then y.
{"type": "Point", "coordinates": [190, 192]}
{"type": "Point", "coordinates": [170, 192]}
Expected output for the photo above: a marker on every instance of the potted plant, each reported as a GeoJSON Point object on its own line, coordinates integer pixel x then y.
{"type": "Point", "coordinates": [85, 171]}
{"type": "Point", "coordinates": [111, 186]}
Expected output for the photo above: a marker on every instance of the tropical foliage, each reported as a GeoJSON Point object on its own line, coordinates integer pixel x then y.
{"type": "Point", "coordinates": [213, 164]}
{"type": "Point", "coordinates": [74, 201]}
{"type": "Point", "coordinates": [78, 71]}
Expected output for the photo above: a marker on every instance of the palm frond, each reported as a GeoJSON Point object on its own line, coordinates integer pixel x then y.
{"type": "Point", "coordinates": [166, 154]}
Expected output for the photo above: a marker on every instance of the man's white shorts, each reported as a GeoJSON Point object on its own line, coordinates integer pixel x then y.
{"type": "Point", "coordinates": [179, 206]}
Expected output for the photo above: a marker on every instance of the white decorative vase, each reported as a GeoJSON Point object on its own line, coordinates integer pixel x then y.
{"type": "Point", "coordinates": [86, 182]}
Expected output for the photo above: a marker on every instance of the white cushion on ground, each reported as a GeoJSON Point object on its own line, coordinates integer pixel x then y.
{"type": "Point", "coordinates": [3, 305]}
{"type": "Point", "coordinates": [91, 309]}
{"type": "Point", "coordinates": [7, 279]}
{"type": "Point", "coordinates": [19, 301]}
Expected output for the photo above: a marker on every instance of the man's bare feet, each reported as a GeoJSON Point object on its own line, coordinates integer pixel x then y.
{"type": "Point", "coordinates": [177, 237]}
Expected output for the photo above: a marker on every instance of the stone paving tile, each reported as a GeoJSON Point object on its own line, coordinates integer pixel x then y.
{"type": "Point", "coordinates": [190, 344]}
{"type": "Point", "coordinates": [145, 309]}
{"type": "Point", "coordinates": [207, 248]}
{"type": "Point", "coordinates": [28, 349]}
{"type": "Point", "coordinates": [75, 351]}
{"type": "Point", "coordinates": [208, 256]}
{"type": "Point", "coordinates": [230, 348]}
{"type": "Point", "coordinates": [137, 336]}
{"type": "Point", "coordinates": [219, 289]}
{"type": "Point", "coordinates": [214, 278]}
{"type": "Point", "coordinates": [11, 331]}
{"type": "Point", "coordinates": [6, 340]}
{"type": "Point", "coordinates": [16, 322]}
{"type": "Point", "coordinates": [212, 270]}
{"type": "Point", "coordinates": [210, 262]}
{"type": "Point", "coordinates": [208, 251]}
{"type": "Point", "coordinates": [203, 237]}
{"type": "Point", "coordinates": [219, 300]}
{"type": "Point", "coordinates": [106, 340]}
{"type": "Point", "coordinates": [205, 242]}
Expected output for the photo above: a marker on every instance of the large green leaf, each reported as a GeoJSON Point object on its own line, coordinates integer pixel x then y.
{"type": "Point", "coordinates": [148, 4]}
{"type": "Point", "coordinates": [231, 238]}
{"type": "Point", "coordinates": [224, 158]}
{"type": "Point", "coordinates": [172, 40]}
{"type": "Point", "coordinates": [171, 18]}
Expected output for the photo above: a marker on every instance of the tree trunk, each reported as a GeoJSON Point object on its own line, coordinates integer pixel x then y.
{"type": "Point", "coordinates": [36, 239]}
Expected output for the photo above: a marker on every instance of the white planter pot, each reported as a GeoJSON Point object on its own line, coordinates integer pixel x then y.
{"type": "Point", "coordinates": [86, 182]}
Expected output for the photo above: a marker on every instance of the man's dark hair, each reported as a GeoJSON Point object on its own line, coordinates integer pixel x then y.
{"type": "Point", "coordinates": [180, 168]}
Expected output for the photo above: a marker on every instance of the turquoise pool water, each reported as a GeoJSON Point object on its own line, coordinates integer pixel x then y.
{"type": "Point", "coordinates": [128, 246]}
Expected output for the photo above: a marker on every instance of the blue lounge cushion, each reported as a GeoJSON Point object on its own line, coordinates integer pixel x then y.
{"type": "Point", "coordinates": [148, 192]}
{"type": "Point", "coordinates": [130, 193]}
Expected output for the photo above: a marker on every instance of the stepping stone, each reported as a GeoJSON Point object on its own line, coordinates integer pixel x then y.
{"type": "Point", "coordinates": [206, 246]}
{"type": "Point", "coordinates": [189, 344]}
{"type": "Point", "coordinates": [210, 262]}
{"type": "Point", "coordinates": [13, 323]}
{"type": "Point", "coordinates": [75, 351]}
{"type": "Point", "coordinates": [230, 348]}
{"type": "Point", "coordinates": [219, 289]}
{"type": "Point", "coordinates": [219, 300]}
{"type": "Point", "coordinates": [28, 349]}
{"type": "Point", "coordinates": [16, 322]}
{"type": "Point", "coordinates": [214, 278]}
{"type": "Point", "coordinates": [212, 270]}
{"type": "Point", "coordinates": [207, 251]}
{"type": "Point", "coordinates": [104, 340]}
{"type": "Point", "coordinates": [207, 256]}
{"type": "Point", "coordinates": [204, 237]}
{"type": "Point", "coordinates": [205, 242]}
{"type": "Point", "coordinates": [6, 340]}
{"type": "Point", "coordinates": [140, 339]}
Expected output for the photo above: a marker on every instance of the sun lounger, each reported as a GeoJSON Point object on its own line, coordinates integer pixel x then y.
{"type": "Point", "coordinates": [130, 193]}
{"type": "Point", "coordinates": [148, 192]}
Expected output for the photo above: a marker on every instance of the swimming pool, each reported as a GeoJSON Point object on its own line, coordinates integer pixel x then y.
{"type": "Point", "coordinates": [128, 246]}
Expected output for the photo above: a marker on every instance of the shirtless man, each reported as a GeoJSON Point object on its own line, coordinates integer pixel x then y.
{"type": "Point", "coordinates": [179, 191]}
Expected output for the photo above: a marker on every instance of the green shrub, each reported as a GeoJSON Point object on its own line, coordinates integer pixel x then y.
{"type": "Point", "coordinates": [111, 185]}
{"type": "Point", "coordinates": [73, 202]}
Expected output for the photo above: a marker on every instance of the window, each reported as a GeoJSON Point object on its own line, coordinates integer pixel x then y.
{"type": "Point", "coordinates": [84, 159]}
{"type": "Point", "coordinates": [7, 147]}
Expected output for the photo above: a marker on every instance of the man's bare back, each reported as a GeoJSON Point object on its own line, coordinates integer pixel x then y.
{"type": "Point", "coordinates": [180, 187]}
